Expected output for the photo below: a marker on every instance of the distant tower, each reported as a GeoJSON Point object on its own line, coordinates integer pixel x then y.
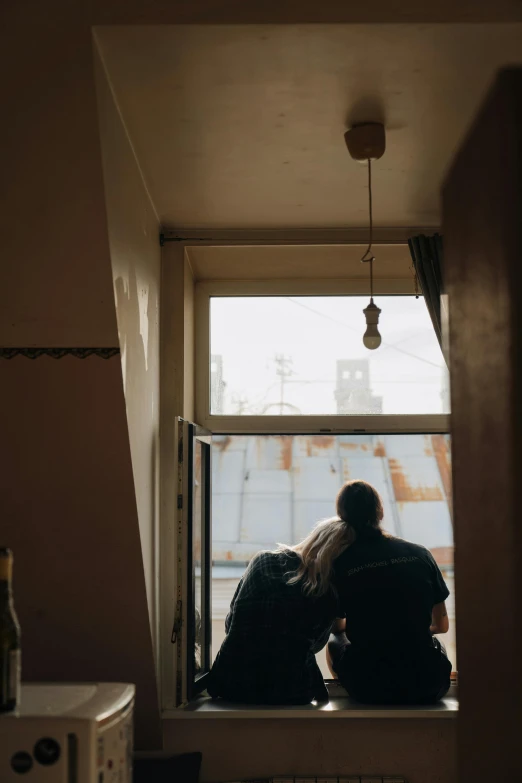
{"type": "Point", "coordinates": [353, 393]}
{"type": "Point", "coordinates": [217, 385]}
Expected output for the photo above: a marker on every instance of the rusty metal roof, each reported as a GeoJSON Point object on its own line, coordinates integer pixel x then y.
{"type": "Point", "coordinates": [274, 488]}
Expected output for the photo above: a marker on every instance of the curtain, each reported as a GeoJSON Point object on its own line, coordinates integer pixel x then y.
{"type": "Point", "coordinates": [427, 256]}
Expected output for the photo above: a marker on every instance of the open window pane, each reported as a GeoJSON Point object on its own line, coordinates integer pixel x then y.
{"type": "Point", "coordinates": [195, 506]}
{"type": "Point", "coordinates": [284, 355]}
{"type": "Point", "coordinates": [272, 489]}
{"type": "Point", "coordinates": [198, 582]}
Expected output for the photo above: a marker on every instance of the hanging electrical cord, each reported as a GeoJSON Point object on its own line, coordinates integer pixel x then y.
{"type": "Point", "coordinates": [370, 211]}
{"type": "Point", "coordinates": [367, 142]}
{"type": "Point", "coordinates": [368, 257]}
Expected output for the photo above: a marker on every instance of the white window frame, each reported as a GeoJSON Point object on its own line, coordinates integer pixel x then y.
{"type": "Point", "coordinates": [302, 424]}
{"type": "Point", "coordinates": [186, 382]}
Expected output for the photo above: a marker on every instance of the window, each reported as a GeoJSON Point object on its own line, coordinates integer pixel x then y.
{"type": "Point", "coordinates": [268, 489]}
{"type": "Point", "coordinates": [293, 405]}
{"type": "Point", "coordinates": [303, 355]}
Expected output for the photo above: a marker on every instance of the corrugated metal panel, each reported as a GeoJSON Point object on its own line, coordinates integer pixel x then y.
{"type": "Point", "coordinates": [308, 512]}
{"type": "Point", "coordinates": [270, 452]}
{"type": "Point", "coordinates": [316, 446]}
{"type": "Point", "coordinates": [426, 523]}
{"type": "Point", "coordinates": [226, 518]}
{"type": "Point", "coordinates": [228, 470]}
{"type": "Point", "coordinates": [317, 478]}
{"type": "Point", "coordinates": [399, 446]}
{"type": "Point", "coordinates": [267, 519]}
{"type": "Point", "coordinates": [361, 445]}
{"type": "Point", "coordinates": [226, 443]}
{"type": "Point", "coordinates": [275, 488]}
{"type": "Point", "coordinates": [442, 451]}
{"type": "Point", "coordinates": [416, 479]}
{"type": "Point", "coordinates": [274, 482]}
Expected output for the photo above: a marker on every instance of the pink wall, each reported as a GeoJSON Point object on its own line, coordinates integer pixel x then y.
{"type": "Point", "coordinates": [67, 501]}
{"type": "Point", "coordinates": [69, 515]}
{"type": "Point", "coordinates": [421, 750]}
{"type": "Point", "coordinates": [55, 256]}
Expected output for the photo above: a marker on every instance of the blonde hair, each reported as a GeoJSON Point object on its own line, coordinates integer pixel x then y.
{"type": "Point", "coordinates": [360, 511]}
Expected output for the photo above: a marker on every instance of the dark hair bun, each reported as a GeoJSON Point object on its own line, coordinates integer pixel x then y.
{"type": "Point", "coordinates": [360, 505]}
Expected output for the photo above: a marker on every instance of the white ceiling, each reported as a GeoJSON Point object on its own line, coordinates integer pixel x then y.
{"type": "Point", "coordinates": [242, 126]}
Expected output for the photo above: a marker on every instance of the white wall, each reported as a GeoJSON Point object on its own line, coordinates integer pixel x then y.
{"type": "Point", "coordinates": [135, 258]}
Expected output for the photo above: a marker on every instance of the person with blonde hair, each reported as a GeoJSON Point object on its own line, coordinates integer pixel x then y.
{"type": "Point", "coordinates": [273, 630]}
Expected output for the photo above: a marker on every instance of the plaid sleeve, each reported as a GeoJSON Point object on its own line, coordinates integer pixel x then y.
{"type": "Point", "coordinates": [272, 631]}
{"type": "Point", "coordinates": [248, 584]}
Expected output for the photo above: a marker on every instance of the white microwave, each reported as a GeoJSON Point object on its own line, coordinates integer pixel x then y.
{"type": "Point", "coordinates": [70, 733]}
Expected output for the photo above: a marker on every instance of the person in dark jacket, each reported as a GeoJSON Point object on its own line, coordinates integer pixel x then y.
{"type": "Point", "coordinates": [273, 631]}
{"type": "Point", "coordinates": [392, 595]}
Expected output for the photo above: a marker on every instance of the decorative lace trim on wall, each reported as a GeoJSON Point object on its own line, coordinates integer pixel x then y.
{"type": "Point", "coordinates": [58, 353]}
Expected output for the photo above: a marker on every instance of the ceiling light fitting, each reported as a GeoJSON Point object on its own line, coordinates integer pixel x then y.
{"type": "Point", "coordinates": [365, 143]}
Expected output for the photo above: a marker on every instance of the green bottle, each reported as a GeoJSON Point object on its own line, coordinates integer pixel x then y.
{"type": "Point", "coordinates": [10, 651]}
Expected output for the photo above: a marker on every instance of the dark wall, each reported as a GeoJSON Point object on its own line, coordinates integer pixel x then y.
{"type": "Point", "coordinates": [483, 247]}
{"type": "Point", "coordinates": [69, 514]}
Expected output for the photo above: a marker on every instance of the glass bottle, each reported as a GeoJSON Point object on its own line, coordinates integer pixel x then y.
{"type": "Point", "coordinates": [10, 650]}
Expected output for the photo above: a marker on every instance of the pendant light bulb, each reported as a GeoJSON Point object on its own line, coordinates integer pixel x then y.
{"type": "Point", "coordinates": [367, 142]}
{"type": "Point", "coordinates": [371, 337]}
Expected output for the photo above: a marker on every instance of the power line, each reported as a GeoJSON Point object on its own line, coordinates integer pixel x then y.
{"type": "Point", "coordinates": [353, 329]}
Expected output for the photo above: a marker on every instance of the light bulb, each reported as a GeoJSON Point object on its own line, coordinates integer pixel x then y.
{"type": "Point", "coordinates": [371, 337]}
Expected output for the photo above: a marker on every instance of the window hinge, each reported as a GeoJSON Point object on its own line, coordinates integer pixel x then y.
{"type": "Point", "coordinates": [176, 628]}
{"type": "Point", "coordinates": [180, 501]}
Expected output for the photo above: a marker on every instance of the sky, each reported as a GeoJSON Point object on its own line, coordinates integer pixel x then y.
{"type": "Point", "coordinates": [407, 370]}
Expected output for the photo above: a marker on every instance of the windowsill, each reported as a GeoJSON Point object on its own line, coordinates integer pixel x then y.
{"type": "Point", "coordinates": [339, 706]}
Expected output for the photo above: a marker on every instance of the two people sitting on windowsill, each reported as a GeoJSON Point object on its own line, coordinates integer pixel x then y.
{"type": "Point", "coordinates": [376, 600]}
